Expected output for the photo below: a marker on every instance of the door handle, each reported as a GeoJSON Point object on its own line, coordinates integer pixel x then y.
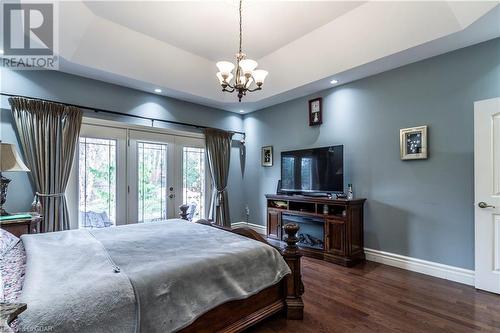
{"type": "Point", "coordinates": [483, 204]}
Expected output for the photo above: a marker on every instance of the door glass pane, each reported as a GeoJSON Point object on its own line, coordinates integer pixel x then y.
{"type": "Point", "coordinates": [193, 174]}
{"type": "Point", "coordinates": [97, 183]}
{"type": "Point", "coordinates": [152, 186]}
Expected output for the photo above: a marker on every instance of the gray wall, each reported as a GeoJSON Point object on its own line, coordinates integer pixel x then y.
{"type": "Point", "coordinates": [422, 209]}
{"type": "Point", "coordinates": [82, 91]}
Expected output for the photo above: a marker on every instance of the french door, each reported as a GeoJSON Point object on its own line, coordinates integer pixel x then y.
{"type": "Point", "coordinates": [151, 188]}
{"type": "Point", "coordinates": [133, 175]}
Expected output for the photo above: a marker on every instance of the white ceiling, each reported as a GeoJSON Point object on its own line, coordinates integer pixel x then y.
{"type": "Point", "coordinates": [210, 28]}
{"type": "Point", "coordinates": [174, 45]}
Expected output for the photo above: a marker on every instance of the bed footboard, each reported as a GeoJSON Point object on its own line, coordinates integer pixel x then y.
{"type": "Point", "coordinates": [293, 287]}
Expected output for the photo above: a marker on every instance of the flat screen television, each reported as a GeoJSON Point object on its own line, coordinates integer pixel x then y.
{"type": "Point", "coordinates": [316, 170]}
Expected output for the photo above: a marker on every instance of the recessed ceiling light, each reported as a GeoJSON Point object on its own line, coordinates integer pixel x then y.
{"type": "Point", "coordinates": [242, 111]}
{"type": "Point", "coordinates": [334, 81]}
{"type": "Point", "coordinates": [1, 51]}
{"type": "Point", "coordinates": [158, 90]}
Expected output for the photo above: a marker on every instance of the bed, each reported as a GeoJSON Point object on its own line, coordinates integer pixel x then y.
{"type": "Point", "coordinates": [170, 276]}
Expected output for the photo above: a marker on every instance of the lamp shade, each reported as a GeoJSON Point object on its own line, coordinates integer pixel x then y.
{"type": "Point", "coordinates": [248, 65]}
{"type": "Point", "coordinates": [259, 76]}
{"type": "Point", "coordinates": [225, 67]}
{"type": "Point", "coordinates": [10, 159]}
{"type": "Point", "coordinates": [219, 76]}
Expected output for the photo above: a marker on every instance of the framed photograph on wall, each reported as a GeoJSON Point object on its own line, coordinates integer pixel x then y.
{"type": "Point", "coordinates": [267, 156]}
{"type": "Point", "coordinates": [413, 143]}
{"type": "Point", "coordinates": [315, 112]}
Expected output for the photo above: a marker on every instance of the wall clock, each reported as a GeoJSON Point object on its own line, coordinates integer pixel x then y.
{"type": "Point", "coordinates": [315, 112]}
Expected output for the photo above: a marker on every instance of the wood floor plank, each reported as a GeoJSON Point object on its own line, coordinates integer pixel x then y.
{"type": "Point", "coordinates": [372, 297]}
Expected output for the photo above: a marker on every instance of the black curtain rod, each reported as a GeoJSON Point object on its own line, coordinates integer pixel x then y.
{"type": "Point", "coordinates": [97, 110]}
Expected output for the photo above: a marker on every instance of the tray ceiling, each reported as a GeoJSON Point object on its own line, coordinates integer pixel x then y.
{"type": "Point", "coordinates": [173, 45]}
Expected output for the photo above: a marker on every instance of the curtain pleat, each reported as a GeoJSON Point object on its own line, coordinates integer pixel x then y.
{"type": "Point", "coordinates": [48, 133]}
{"type": "Point", "coordinates": [218, 145]}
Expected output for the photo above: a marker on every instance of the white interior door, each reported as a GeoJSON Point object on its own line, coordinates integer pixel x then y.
{"type": "Point", "coordinates": [152, 181]}
{"type": "Point", "coordinates": [487, 194]}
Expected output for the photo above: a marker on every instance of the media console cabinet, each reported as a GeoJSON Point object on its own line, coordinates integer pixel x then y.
{"type": "Point", "coordinates": [330, 229]}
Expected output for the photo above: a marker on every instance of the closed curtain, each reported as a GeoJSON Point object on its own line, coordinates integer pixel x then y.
{"type": "Point", "coordinates": [218, 145]}
{"type": "Point", "coordinates": [48, 133]}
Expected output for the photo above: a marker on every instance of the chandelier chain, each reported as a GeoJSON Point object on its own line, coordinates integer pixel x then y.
{"type": "Point", "coordinates": [241, 30]}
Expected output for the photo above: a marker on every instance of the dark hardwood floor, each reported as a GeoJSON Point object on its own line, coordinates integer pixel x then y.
{"type": "Point", "coordinates": [377, 298]}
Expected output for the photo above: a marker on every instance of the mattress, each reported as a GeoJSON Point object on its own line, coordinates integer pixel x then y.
{"type": "Point", "coordinates": [151, 277]}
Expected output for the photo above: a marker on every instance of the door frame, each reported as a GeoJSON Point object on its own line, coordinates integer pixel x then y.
{"type": "Point", "coordinates": [181, 139]}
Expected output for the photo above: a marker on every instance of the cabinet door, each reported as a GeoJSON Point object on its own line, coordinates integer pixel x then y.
{"type": "Point", "coordinates": [274, 223]}
{"type": "Point", "coordinates": [335, 237]}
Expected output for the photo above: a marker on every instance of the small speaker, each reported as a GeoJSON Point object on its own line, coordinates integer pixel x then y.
{"type": "Point", "coordinates": [278, 188]}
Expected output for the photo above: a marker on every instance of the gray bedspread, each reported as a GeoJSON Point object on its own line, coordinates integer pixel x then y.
{"type": "Point", "coordinates": [154, 277]}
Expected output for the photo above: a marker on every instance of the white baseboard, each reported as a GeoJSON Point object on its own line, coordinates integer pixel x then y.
{"type": "Point", "coordinates": [446, 272]}
{"type": "Point", "coordinates": [256, 227]}
{"type": "Point", "coordinates": [442, 271]}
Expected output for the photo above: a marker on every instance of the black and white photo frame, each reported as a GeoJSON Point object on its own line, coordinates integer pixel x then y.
{"type": "Point", "coordinates": [267, 156]}
{"type": "Point", "coordinates": [413, 143]}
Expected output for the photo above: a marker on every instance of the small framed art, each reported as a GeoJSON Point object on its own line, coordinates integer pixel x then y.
{"type": "Point", "coordinates": [315, 112]}
{"type": "Point", "coordinates": [413, 143]}
{"type": "Point", "coordinates": [267, 156]}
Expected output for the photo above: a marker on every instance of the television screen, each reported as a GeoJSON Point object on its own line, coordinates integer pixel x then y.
{"type": "Point", "coordinates": [313, 170]}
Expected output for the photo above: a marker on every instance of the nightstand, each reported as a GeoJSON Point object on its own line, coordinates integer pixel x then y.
{"type": "Point", "coordinates": [19, 227]}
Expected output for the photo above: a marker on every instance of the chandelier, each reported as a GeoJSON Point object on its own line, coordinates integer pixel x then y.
{"type": "Point", "coordinates": [245, 74]}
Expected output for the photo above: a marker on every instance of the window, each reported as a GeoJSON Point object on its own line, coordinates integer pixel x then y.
{"type": "Point", "coordinates": [193, 180]}
{"type": "Point", "coordinates": [152, 181]}
{"type": "Point", "coordinates": [97, 182]}
{"type": "Point", "coordinates": [125, 175]}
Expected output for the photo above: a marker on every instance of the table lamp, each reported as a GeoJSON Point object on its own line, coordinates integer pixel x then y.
{"type": "Point", "coordinates": [10, 161]}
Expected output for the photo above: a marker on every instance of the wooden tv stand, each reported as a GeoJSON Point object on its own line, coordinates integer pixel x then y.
{"type": "Point", "coordinates": [336, 236]}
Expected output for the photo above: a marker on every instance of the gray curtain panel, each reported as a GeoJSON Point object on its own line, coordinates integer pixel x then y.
{"type": "Point", "coordinates": [48, 133]}
{"type": "Point", "coordinates": [218, 144]}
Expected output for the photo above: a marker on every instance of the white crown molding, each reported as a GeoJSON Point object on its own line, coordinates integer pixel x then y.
{"type": "Point", "coordinates": [446, 272]}
{"type": "Point", "coordinates": [256, 227]}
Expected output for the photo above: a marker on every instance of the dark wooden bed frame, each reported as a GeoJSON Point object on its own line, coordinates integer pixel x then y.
{"type": "Point", "coordinates": [236, 316]}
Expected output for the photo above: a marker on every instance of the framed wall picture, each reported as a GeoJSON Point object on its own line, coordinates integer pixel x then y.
{"type": "Point", "coordinates": [413, 143]}
{"type": "Point", "coordinates": [267, 156]}
{"type": "Point", "coordinates": [315, 112]}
